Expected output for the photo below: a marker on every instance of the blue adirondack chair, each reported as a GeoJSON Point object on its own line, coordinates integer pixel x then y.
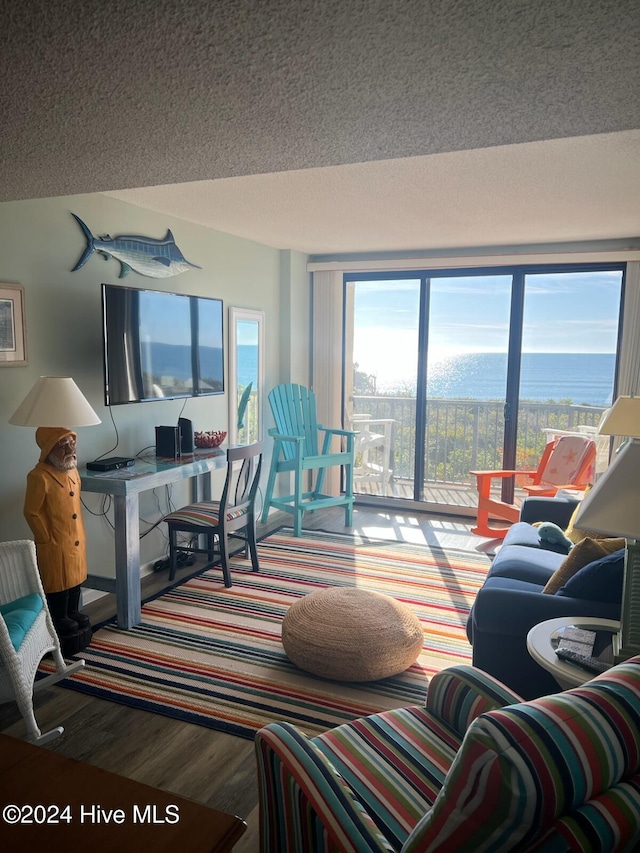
{"type": "Point", "coordinates": [297, 440]}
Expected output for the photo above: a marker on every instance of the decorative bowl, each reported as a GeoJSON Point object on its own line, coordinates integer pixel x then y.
{"type": "Point", "coordinates": [209, 439]}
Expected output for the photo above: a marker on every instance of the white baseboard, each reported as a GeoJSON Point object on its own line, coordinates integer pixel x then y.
{"type": "Point", "coordinates": [89, 595]}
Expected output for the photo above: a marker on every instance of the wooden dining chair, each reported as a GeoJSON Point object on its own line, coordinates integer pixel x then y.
{"type": "Point", "coordinates": [233, 516]}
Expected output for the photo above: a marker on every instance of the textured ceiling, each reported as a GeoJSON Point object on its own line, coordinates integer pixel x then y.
{"type": "Point", "coordinates": [100, 96]}
{"type": "Point", "coordinates": [583, 188]}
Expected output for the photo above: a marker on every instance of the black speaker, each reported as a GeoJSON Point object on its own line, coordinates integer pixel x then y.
{"type": "Point", "coordinates": [186, 435]}
{"type": "Point", "coordinates": [168, 442]}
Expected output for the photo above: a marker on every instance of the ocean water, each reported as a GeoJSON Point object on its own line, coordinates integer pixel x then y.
{"type": "Point", "coordinates": [247, 363]}
{"type": "Point", "coordinates": [583, 378]}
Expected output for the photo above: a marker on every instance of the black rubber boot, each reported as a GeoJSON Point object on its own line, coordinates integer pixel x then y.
{"type": "Point", "coordinates": [58, 607]}
{"type": "Point", "coordinates": [74, 603]}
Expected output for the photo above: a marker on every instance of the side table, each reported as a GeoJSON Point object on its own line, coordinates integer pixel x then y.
{"type": "Point", "coordinates": [542, 641]}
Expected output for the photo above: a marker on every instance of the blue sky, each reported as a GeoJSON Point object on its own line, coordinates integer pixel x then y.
{"type": "Point", "coordinates": [571, 312]}
{"type": "Point", "coordinates": [166, 317]}
{"type": "Point", "coordinates": [247, 332]}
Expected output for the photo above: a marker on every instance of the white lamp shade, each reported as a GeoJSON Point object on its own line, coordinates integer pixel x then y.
{"type": "Point", "coordinates": [54, 401]}
{"type": "Point", "coordinates": [623, 418]}
{"type": "Point", "coordinates": [611, 506]}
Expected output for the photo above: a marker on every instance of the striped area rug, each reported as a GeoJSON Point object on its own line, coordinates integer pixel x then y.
{"type": "Point", "coordinates": [213, 656]}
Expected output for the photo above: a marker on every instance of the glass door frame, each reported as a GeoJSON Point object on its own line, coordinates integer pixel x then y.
{"type": "Point", "coordinates": [518, 274]}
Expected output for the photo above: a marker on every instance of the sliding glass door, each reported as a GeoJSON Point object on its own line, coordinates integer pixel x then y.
{"type": "Point", "coordinates": [449, 371]}
{"type": "Point", "coordinates": [382, 381]}
{"type": "Point", "coordinates": [467, 347]}
{"type": "Point", "coordinates": [570, 333]}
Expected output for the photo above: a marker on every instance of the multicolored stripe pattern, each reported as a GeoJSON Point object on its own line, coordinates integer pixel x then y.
{"type": "Point", "coordinates": [555, 774]}
{"type": "Point", "coordinates": [366, 752]}
{"type": "Point", "coordinates": [539, 769]}
{"type": "Point", "coordinates": [203, 514]}
{"type": "Point", "coordinates": [460, 694]}
{"type": "Point", "coordinates": [304, 803]}
{"type": "Point", "coordinates": [213, 655]}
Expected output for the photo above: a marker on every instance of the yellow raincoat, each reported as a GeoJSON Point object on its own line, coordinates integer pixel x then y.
{"type": "Point", "coordinates": [54, 513]}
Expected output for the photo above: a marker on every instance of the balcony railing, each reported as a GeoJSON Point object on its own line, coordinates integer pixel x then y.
{"type": "Point", "coordinates": [463, 435]}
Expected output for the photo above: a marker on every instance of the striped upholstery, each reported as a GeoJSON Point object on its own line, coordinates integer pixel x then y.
{"type": "Point", "coordinates": [461, 693]}
{"type": "Point", "coordinates": [533, 762]}
{"type": "Point", "coordinates": [304, 804]}
{"type": "Point", "coordinates": [203, 514]}
{"type": "Point", "coordinates": [607, 822]}
{"type": "Point", "coordinates": [395, 762]}
{"type": "Point", "coordinates": [464, 773]}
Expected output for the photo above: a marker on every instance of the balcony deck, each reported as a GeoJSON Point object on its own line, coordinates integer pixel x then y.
{"type": "Point", "coordinates": [448, 494]}
{"type": "Point", "coordinates": [461, 436]}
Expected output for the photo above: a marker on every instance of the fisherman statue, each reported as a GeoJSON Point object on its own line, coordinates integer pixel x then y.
{"type": "Point", "coordinates": [54, 513]}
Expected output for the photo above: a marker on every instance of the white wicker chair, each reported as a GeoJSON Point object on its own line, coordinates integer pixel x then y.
{"type": "Point", "coordinates": [19, 576]}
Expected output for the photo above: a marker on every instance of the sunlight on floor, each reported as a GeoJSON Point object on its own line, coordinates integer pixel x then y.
{"type": "Point", "coordinates": [430, 531]}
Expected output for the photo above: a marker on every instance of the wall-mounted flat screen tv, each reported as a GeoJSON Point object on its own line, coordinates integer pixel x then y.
{"type": "Point", "coordinates": [160, 346]}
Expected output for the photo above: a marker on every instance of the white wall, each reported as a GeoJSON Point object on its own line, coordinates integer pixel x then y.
{"type": "Point", "coordinates": [39, 244]}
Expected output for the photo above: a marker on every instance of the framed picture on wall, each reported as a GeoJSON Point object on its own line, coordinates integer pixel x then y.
{"type": "Point", "coordinates": [13, 339]}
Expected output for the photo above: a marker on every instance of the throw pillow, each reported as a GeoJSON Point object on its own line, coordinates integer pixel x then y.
{"type": "Point", "coordinates": [583, 553]}
{"type": "Point", "coordinates": [598, 581]}
{"type": "Point", "coordinates": [576, 535]}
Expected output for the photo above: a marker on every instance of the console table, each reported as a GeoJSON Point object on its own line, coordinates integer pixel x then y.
{"type": "Point", "coordinates": [50, 801]}
{"type": "Point", "coordinates": [125, 487]}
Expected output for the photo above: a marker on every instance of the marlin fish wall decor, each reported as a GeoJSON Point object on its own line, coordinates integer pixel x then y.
{"type": "Point", "coordinates": [144, 255]}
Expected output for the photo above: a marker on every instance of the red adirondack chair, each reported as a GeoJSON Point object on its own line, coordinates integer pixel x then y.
{"type": "Point", "coordinates": [567, 462]}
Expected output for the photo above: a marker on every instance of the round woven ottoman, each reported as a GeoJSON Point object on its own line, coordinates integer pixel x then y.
{"type": "Point", "coordinates": [350, 634]}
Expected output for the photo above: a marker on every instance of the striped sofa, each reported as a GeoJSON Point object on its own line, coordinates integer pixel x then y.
{"type": "Point", "coordinates": [476, 769]}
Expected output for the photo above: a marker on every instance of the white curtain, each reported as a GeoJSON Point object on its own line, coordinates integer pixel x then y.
{"type": "Point", "coordinates": [629, 372]}
{"type": "Point", "coordinates": [327, 357]}
{"type": "Point", "coordinates": [629, 361]}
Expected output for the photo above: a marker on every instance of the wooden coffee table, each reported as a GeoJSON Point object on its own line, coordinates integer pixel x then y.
{"type": "Point", "coordinates": [76, 806]}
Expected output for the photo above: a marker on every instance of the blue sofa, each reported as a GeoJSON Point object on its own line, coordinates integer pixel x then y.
{"type": "Point", "coordinates": [511, 601]}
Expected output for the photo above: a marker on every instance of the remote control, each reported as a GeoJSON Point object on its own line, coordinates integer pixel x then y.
{"type": "Point", "coordinates": [585, 661]}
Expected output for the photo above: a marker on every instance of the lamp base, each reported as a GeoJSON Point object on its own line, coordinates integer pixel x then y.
{"type": "Point", "coordinates": [626, 643]}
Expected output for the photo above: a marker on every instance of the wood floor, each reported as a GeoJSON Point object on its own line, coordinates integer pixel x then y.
{"type": "Point", "coordinates": [195, 762]}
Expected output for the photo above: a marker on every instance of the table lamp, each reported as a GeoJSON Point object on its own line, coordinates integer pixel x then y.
{"type": "Point", "coordinates": [54, 401]}
{"type": "Point", "coordinates": [622, 419]}
{"type": "Point", "coordinates": [611, 508]}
